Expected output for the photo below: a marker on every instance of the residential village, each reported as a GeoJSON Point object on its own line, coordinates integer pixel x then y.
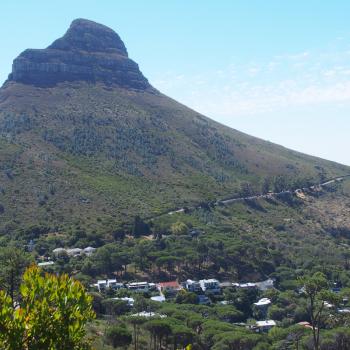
{"type": "Point", "coordinates": [164, 291]}
{"type": "Point", "coordinates": [207, 292]}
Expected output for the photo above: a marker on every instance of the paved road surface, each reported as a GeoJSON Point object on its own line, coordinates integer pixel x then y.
{"type": "Point", "coordinates": [229, 201]}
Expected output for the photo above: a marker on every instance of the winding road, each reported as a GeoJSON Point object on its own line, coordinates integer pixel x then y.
{"type": "Point", "coordinates": [229, 201]}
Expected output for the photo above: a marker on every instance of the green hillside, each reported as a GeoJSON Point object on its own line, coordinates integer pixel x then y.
{"type": "Point", "coordinates": [92, 153]}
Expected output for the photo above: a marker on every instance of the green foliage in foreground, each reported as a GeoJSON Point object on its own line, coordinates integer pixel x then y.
{"type": "Point", "coordinates": [50, 314]}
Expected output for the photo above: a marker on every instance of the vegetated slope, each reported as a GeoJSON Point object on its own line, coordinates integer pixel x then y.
{"type": "Point", "coordinates": [253, 239]}
{"type": "Point", "coordinates": [86, 141]}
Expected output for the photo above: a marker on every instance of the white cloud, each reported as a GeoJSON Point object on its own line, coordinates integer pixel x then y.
{"type": "Point", "coordinates": [294, 80]}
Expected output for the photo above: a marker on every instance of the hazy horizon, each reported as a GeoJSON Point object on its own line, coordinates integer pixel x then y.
{"type": "Point", "coordinates": [277, 71]}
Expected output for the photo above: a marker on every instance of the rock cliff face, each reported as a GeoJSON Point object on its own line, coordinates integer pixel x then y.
{"type": "Point", "coordinates": [87, 52]}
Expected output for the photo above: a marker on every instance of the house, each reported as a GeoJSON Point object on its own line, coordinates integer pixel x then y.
{"type": "Point", "coordinates": [305, 325]}
{"type": "Point", "coordinates": [138, 286]}
{"type": "Point", "coordinates": [344, 311]}
{"type": "Point", "coordinates": [158, 298]}
{"type": "Point", "coordinates": [148, 314]}
{"type": "Point", "coordinates": [46, 263]}
{"type": "Point", "coordinates": [265, 326]}
{"type": "Point", "coordinates": [89, 251]}
{"type": "Point", "coordinates": [113, 284]}
{"type": "Point", "coordinates": [225, 285]}
{"type": "Point", "coordinates": [263, 303]}
{"type": "Point", "coordinates": [245, 285]}
{"type": "Point", "coordinates": [210, 285]}
{"type": "Point", "coordinates": [59, 251]}
{"type": "Point", "coordinates": [169, 287]}
{"type": "Point", "coordinates": [152, 286]}
{"type": "Point", "coordinates": [203, 300]}
{"type": "Point", "coordinates": [193, 286]}
{"type": "Point", "coordinates": [101, 285]}
{"type": "Point", "coordinates": [74, 252]}
{"type": "Point", "coordinates": [328, 305]}
{"type": "Point", "coordinates": [265, 285]}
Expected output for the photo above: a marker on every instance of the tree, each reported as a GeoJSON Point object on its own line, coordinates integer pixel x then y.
{"type": "Point", "coordinates": [179, 228]}
{"type": "Point", "coordinates": [140, 227]}
{"type": "Point", "coordinates": [118, 336]}
{"type": "Point", "coordinates": [182, 335]}
{"type": "Point", "coordinates": [115, 307]}
{"type": "Point", "coordinates": [276, 313]}
{"type": "Point", "coordinates": [317, 292]}
{"type": "Point", "coordinates": [52, 314]}
{"type": "Point", "coordinates": [13, 262]}
{"type": "Point", "coordinates": [341, 339]}
{"type": "Point", "coordinates": [167, 262]}
{"type": "Point", "coordinates": [236, 340]}
{"type": "Point", "coordinates": [266, 185]}
{"type": "Point", "coordinates": [228, 313]}
{"type": "Point", "coordinates": [242, 299]}
{"type": "Point", "coordinates": [159, 329]}
{"type": "Point", "coordinates": [280, 183]}
{"type": "Point", "coordinates": [184, 297]}
{"type": "Point", "coordinates": [246, 190]}
{"type": "Point", "coordinates": [136, 322]}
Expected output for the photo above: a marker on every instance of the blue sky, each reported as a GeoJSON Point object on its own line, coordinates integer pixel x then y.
{"type": "Point", "coordinates": [279, 70]}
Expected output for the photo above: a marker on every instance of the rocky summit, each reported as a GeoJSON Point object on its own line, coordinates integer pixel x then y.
{"type": "Point", "coordinates": [88, 52]}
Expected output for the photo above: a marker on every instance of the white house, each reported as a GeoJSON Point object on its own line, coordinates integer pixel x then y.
{"type": "Point", "coordinates": [247, 285]}
{"type": "Point", "coordinates": [89, 251]}
{"type": "Point", "coordinates": [158, 298]}
{"type": "Point", "coordinates": [101, 285]}
{"type": "Point", "coordinates": [138, 286]}
{"type": "Point", "coordinates": [264, 302]}
{"type": "Point", "coordinates": [148, 314]}
{"type": "Point", "coordinates": [212, 285]}
{"type": "Point", "coordinates": [265, 285]}
{"type": "Point", "coordinates": [265, 326]}
{"type": "Point", "coordinates": [59, 251]}
{"type": "Point", "coordinates": [46, 263]}
{"type": "Point", "coordinates": [193, 286]}
{"type": "Point", "coordinates": [113, 284]}
{"type": "Point", "coordinates": [74, 252]}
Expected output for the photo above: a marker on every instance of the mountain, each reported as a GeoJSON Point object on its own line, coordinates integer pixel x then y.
{"type": "Point", "coordinates": [87, 142]}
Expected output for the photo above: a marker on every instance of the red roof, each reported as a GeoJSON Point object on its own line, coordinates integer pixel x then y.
{"type": "Point", "coordinates": [173, 284]}
{"type": "Point", "coordinates": [305, 324]}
